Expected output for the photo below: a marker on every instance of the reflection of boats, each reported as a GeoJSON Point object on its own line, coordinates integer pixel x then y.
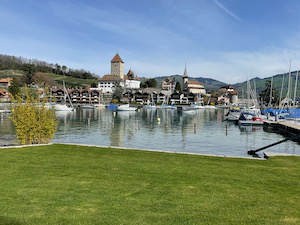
{"type": "Point", "coordinates": [126, 107]}
{"type": "Point", "coordinates": [189, 110]}
{"type": "Point", "coordinates": [168, 106]}
{"type": "Point", "coordinates": [64, 107]}
{"type": "Point", "coordinates": [87, 106]}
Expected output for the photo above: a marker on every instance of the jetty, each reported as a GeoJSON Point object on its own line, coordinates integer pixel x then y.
{"type": "Point", "coordinates": [290, 127]}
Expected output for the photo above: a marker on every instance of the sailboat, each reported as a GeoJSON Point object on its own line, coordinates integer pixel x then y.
{"type": "Point", "coordinates": [199, 104]}
{"type": "Point", "coordinates": [100, 101]}
{"type": "Point", "coordinates": [64, 107]}
{"type": "Point", "coordinates": [251, 114]}
{"type": "Point", "coordinates": [152, 104]}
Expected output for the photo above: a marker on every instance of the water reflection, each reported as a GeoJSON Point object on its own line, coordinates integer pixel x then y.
{"type": "Point", "coordinates": [201, 132]}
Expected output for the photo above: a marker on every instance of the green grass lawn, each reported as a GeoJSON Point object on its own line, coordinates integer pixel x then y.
{"type": "Point", "coordinates": [62, 184]}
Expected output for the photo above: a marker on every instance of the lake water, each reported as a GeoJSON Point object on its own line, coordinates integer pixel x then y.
{"type": "Point", "coordinates": [204, 132]}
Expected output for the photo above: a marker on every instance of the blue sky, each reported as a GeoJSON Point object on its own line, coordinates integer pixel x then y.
{"type": "Point", "coordinates": [219, 39]}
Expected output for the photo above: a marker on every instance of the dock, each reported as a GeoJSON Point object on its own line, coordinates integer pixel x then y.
{"type": "Point", "coordinates": [290, 127]}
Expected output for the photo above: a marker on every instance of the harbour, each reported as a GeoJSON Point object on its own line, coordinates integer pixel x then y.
{"type": "Point", "coordinates": [203, 132]}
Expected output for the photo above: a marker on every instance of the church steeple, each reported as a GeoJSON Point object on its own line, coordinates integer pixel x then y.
{"type": "Point", "coordinates": [185, 76]}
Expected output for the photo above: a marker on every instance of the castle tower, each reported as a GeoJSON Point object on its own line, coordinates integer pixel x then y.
{"type": "Point", "coordinates": [117, 66]}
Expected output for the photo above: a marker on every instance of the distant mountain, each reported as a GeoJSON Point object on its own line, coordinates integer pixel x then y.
{"type": "Point", "coordinates": [212, 84]}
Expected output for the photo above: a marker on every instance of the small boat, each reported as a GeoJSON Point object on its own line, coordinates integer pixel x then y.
{"type": "Point", "coordinates": [247, 119]}
{"type": "Point", "coordinates": [126, 107]}
{"type": "Point", "coordinates": [233, 115]}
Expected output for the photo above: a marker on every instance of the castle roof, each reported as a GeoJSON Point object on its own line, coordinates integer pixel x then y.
{"type": "Point", "coordinates": [117, 58]}
{"type": "Point", "coordinates": [110, 78]}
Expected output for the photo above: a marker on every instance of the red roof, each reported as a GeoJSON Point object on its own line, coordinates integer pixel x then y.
{"type": "Point", "coordinates": [194, 82]}
{"type": "Point", "coordinates": [5, 80]}
{"type": "Point", "coordinates": [4, 92]}
{"type": "Point", "coordinates": [110, 78]}
{"type": "Point", "coordinates": [117, 58]}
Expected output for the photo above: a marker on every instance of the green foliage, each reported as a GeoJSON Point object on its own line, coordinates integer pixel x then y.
{"type": "Point", "coordinates": [149, 83]}
{"type": "Point", "coordinates": [265, 94]}
{"type": "Point", "coordinates": [29, 70]}
{"type": "Point", "coordinates": [14, 87]}
{"type": "Point", "coordinates": [34, 123]}
{"type": "Point", "coordinates": [178, 87]}
{"type": "Point", "coordinates": [118, 91]}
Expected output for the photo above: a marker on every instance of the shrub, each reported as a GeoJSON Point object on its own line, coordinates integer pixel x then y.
{"type": "Point", "coordinates": [33, 121]}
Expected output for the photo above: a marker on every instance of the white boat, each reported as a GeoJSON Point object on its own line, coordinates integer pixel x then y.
{"type": "Point", "coordinates": [64, 106]}
{"type": "Point", "coordinates": [233, 115]}
{"type": "Point", "coordinates": [126, 107]}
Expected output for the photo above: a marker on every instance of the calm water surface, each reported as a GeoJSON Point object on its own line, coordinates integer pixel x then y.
{"type": "Point", "coordinates": [203, 132]}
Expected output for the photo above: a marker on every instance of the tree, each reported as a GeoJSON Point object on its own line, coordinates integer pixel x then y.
{"type": "Point", "coordinates": [29, 70]}
{"type": "Point", "coordinates": [118, 91]}
{"type": "Point", "coordinates": [34, 123]}
{"type": "Point", "coordinates": [64, 69]}
{"type": "Point", "coordinates": [41, 79]}
{"type": "Point", "coordinates": [266, 93]}
{"type": "Point", "coordinates": [178, 87]}
{"type": "Point", "coordinates": [14, 87]}
{"type": "Point", "coordinates": [149, 83]}
{"type": "Point", "coordinates": [93, 85]}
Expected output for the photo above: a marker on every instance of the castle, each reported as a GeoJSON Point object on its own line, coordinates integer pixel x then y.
{"type": "Point", "coordinates": [107, 82]}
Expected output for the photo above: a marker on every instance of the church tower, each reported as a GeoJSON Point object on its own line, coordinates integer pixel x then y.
{"type": "Point", "coordinates": [117, 66]}
{"type": "Point", "coordinates": [185, 81]}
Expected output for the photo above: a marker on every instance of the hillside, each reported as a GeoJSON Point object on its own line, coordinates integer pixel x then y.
{"type": "Point", "coordinates": [277, 83]}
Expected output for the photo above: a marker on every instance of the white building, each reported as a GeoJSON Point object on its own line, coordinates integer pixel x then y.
{"type": "Point", "coordinates": [107, 82]}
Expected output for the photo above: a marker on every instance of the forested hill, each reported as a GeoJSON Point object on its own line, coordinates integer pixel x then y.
{"type": "Point", "coordinates": [31, 66]}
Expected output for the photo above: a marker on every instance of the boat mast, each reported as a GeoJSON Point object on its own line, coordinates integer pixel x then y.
{"type": "Point", "coordinates": [289, 87]}
{"type": "Point", "coordinates": [280, 98]}
{"type": "Point", "coordinates": [295, 91]}
{"type": "Point", "coordinates": [270, 102]}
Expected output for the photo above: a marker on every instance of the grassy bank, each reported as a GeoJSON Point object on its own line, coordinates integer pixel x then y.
{"type": "Point", "coordinates": [61, 184]}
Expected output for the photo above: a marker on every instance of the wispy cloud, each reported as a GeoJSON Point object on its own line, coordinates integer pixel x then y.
{"type": "Point", "coordinates": [227, 11]}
